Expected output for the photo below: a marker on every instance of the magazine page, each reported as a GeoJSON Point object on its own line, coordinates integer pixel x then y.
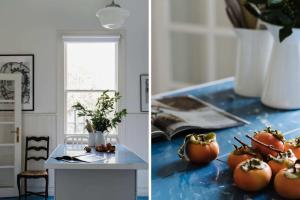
{"type": "Point", "coordinates": [184, 112]}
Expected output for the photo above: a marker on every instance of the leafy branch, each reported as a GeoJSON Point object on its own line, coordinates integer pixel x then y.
{"type": "Point", "coordinates": [284, 13]}
{"type": "Point", "coordinates": [105, 116]}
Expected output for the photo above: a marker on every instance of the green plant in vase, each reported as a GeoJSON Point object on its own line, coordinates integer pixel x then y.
{"type": "Point", "coordinates": [104, 117]}
{"type": "Point", "coordinates": [283, 20]}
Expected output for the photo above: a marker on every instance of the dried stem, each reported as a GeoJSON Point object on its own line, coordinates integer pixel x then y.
{"type": "Point", "coordinates": [242, 143]}
{"type": "Point", "coordinates": [235, 146]}
{"type": "Point", "coordinates": [265, 145]}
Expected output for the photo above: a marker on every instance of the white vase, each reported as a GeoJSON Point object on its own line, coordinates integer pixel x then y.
{"type": "Point", "coordinates": [99, 138]}
{"type": "Point", "coordinates": [91, 140]}
{"type": "Point", "coordinates": [282, 86]}
{"type": "Point", "coordinates": [254, 52]}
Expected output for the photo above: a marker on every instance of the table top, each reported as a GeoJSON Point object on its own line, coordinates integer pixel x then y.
{"type": "Point", "coordinates": [176, 179]}
{"type": "Point", "coordinates": [123, 158]}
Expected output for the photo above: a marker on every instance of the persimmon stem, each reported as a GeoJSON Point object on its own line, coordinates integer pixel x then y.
{"type": "Point", "coordinates": [235, 146]}
{"type": "Point", "coordinates": [265, 145]}
{"type": "Point", "coordinates": [242, 143]}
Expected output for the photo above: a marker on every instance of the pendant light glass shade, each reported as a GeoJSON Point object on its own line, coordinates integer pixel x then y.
{"type": "Point", "coordinates": [112, 16]}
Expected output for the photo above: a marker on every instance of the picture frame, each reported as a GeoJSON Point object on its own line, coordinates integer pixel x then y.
{"type": "Point", "coordinates": [144, 92]}
{"type": "Point", "coordinates": [24, 64]}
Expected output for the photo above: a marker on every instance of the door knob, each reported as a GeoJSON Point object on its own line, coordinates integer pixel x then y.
{"type": "Point", "coordinates": [17, 132]}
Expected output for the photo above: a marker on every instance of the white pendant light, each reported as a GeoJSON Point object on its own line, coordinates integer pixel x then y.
{"type": "Point", "coordinates": [112, 16]}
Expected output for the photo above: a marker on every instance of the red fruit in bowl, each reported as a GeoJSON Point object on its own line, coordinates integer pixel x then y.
{"type": "Point", "coordinates": [270, 137]}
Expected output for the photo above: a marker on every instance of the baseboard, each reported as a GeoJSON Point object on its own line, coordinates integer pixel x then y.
{"type": "Point", "coordinates": [141, 191]}
{"type": "Point", "coordinates": [50, 189]}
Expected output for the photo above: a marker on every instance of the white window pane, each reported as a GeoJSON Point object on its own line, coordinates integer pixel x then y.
{"type": "Point", "coordinates": [76, 124]}
{"type": "Point", "coordinates": [91, 65]}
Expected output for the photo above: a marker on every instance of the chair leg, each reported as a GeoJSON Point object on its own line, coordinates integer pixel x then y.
{"type": "Point", "coordinates": [25, 187]}
{"type": "Point", "coordinates": [46, 189]}
{"type": "Point", "coordinates": [18, 183]}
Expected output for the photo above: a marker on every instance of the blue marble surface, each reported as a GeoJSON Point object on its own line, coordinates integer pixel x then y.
{"type": "Point", "coordinates": [175, 179]}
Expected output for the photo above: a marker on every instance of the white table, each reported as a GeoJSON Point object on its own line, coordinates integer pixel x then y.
{"type": "Point", "coordinates": [113, 178]}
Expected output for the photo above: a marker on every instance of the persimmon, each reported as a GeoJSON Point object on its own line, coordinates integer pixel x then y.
{"type": "Point", "coordinates": [287, 182]}
{"type": "Point", "coordinates": [270, 137]}
{"type": "Point", "coordinates": [199, 148]}
{"type": "Point", "coordinates": [281, 161]}
{"type": "Point", "coordinates": [294, 145]}
{"type": "Point", "coordinates": [252, 175]}
{"type": "Point", "coordinates": [241, 154]}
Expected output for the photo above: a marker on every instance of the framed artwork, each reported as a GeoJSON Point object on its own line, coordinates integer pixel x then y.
{"type": "Point", "coordinates": [144, 92]}
{"type": "Point", "coordinates": [19, 63]}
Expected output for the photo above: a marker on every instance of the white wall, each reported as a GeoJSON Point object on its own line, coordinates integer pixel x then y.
{"type": "Point", "coordinates": [31, 26]}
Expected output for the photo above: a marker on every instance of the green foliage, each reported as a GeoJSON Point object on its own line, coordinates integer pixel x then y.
{"type": "Point", "coordinates": [105, 116]}
{"type": "Point", "coordinates": [284, 13]}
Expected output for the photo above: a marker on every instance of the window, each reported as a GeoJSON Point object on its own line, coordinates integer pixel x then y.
{"type": "Point", "coordinates": [90, 68]}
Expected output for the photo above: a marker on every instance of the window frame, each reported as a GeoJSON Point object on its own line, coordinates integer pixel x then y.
{"type": "Point", "coordinates": [62, 80]}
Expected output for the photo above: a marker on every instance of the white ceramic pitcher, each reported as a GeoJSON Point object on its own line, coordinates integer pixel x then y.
{"type": "Point", "coordinates": [282, 86]}
{"type": "Point", "coordinates": [254, 52]}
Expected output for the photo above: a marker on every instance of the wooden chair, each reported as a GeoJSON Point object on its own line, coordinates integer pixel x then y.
{"type": "Point", "coordinates": [34, 174]}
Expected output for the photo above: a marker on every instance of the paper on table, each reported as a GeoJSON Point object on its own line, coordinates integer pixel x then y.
{"type": "Point", "coordinates": [90, 158]}
{"type": "Point", "coordinates": [204, 117]}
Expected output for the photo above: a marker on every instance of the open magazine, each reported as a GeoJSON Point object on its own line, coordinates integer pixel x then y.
{"type": "Point", "coordinates": [174, 115]}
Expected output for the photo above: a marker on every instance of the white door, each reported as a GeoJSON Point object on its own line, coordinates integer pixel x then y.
{"type": "Point", "coordinates": [10, 133]}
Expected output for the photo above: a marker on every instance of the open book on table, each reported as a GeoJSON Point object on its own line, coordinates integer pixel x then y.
{"type": "Point", "coordinates": [174, 115]}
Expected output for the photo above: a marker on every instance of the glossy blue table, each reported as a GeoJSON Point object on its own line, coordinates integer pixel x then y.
{"type": "Point", "coordinates": [173, 179]}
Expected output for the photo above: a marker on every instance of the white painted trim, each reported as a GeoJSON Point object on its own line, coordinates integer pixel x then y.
{"type": "Point", "coordinates": [40, 114]}
{"type": "Point", "coordinates": [141, 191]}
{"type": "Point", "coordinates": [88, 38]}
{"type": "Point", "coordinates": [51, 189]}
{"type": "Point", "coordinates": [220, 81]}
{"type": "Point", "coordinates": [55, 114]}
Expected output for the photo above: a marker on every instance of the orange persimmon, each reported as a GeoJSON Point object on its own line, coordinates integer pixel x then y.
{"type": "Point", "coordinates": [294, 145]}
{"type": "Point", "coordinates": [282, 161]}
{"type": "Point", "coordinates": [252, 175]}
{"type": "Point", "coordinates": [287, 182]}
{"type": "Point", "coordinates": [241, 154]}
{"type": "Point", "coordinates": [199, 148]}
{"type": "Point", "coordinates": [268, 137]}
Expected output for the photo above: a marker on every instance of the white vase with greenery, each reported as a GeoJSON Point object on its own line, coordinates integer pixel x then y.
{"type": "Point", "coordinates": [99, 138]}
{"type": "Point", "coordinates": [104, 117]}
{"type": "Point", "coordinates": [282, 85]}
{"type": "Point", "coordinates": [91, 138]}
{"type": "Point", "coordinates": [254, 52]}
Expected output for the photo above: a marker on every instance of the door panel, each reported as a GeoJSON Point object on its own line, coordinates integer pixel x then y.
{"type": "Point", "coordinates": [10, 133]}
